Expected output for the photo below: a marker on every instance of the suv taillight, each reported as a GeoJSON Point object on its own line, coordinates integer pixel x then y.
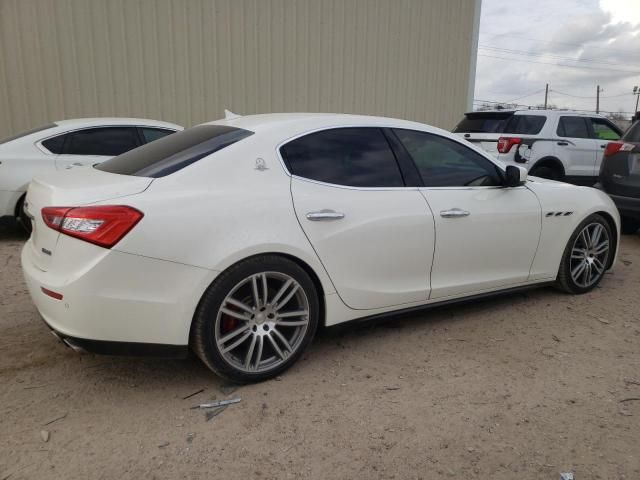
{"type": "Point", "coordinates": [505, 143]}
{"type": "Point", "coordinates": [102, 225]}
{"type": "Point", "coordinates": [615, 147]}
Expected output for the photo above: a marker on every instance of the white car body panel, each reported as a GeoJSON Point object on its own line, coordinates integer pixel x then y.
{"type": "Point", "coordinates": [241, 201]}
{"type": "Point", "coordinates": [25, 157]}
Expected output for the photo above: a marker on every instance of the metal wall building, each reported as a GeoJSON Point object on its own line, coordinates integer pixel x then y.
{"type": "Point", "coordinates": [185, 61]}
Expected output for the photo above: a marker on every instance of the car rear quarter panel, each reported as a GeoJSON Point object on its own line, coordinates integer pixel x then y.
{"type": "Point", "coordinates": [560, 198]}
{"type": "Point", "coordinates": [222, 210]}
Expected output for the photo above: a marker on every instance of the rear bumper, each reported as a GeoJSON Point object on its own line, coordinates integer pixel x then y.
{"type": "Point", "coordinates": [627, 206]}
{"type": "Point", "coordinates": [116, 303]}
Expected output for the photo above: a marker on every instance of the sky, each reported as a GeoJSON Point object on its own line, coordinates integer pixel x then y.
{"type": "Point", "coordinates": [573, 45]}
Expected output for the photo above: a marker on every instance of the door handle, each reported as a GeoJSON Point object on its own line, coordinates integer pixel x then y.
{"type": "Point", "coordinates": [324, 215]}
{"type": "Point", "coordinates": [454, 213]}
{"type": "Point", "coordinates": [603, 146]}
{"type": "Point", "coordinates": [563, 144]}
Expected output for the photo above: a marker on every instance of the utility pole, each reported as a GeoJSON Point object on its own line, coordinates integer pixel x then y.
{"type": "Point", "coordinates": [636, 92]}
{"type": "Point", "coordinates": [598, 99]}
{"type": "Point", "coordinates": [546, 96]}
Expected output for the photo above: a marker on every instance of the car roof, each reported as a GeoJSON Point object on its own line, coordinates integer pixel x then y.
{"type": "Point", "coordinates": [109, 121]}
{"type": "Point", "coordinates": [537, 111]}
{"type": "Point", "coordinates": [290, 124]}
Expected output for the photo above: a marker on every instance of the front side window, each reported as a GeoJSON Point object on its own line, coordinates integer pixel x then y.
{"type": "Point", "coordinates": [150, 134]}
{"type": "Point", "coordinates": [573, 127]}
{"type": "Point", "coordinates": [103, 141]}
{"type": "Point", "coordinates": [174, 152]}
{"type": "Point", "coordinates": [445, 163]}
{"type": "Point", "coordinates": [603, 130]}
{"type": "Point", "coordinates": [354, 157]}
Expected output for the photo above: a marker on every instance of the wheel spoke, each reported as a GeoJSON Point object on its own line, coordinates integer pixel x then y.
{"type": "Point", "coordinates": [577, 272]}
{"type": "Point", "coordinates": [292, 323]}
{"type": "Point", "coordinates": [259, 353]}
{"type": "Point", "coordinates": [283, 289]}
{"type": "Point", "coordinates": [232, 335]}
{"type": "Point", "coordinates": [254, 289]}
{"type": "Point", "coordinates": [282, 339]}
{"type": "Point", "coordinates": [247, 359]}
{"type": "Point", "coordinates": [234, 314]}
{"type": "Point", "coordinates": [587, 274]}
{"type": "Point", "coordinates": [298, 313]}
{"type": "Point", "coordinates": [238, 304]}
{"type": "Point", "coordinates": [286, 299]}
{"type": "Point", "coordinates": [265, 289]}
{"type": "Point", "coordinates": [595, 235]}
{"type": "Point", "coordinates": [601, 248]}
{"type": "Point", "coordinates": [598, 265]}
{"type": "Point", "coordinates": [276, 347]}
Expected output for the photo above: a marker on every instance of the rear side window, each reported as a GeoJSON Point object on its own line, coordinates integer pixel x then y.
{"type": "Point", "coordinates": [54, 144]}
{"type": "Point", "coordinates": [445, 163]}
{"type": "Point", "coordinates": [573, 127]}
{"type": "Point", "coordinates": [355, 157]}
{"type": "Point", "coordinates": [174, 152]}
{"type": "Point", "coordinates": [633, 134]}
{"type": "Point", "coordinates": [28, 132]}
{"type": "Point", "coordinates": [525, 124]}
{"type": "Point", "coordinates": [603, 130]}
{"type": "Point", "coordinates": [152, 134]}
{"type": "Point", "coordinates": [483, 122]}
{"type": "Point", "coordinates": [104, 141]}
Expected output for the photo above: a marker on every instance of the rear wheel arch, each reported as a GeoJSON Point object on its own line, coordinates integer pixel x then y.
{"type": "Point", "coordinates": [549, 162]}
{"type": "Point", "coordinates": [614, 231]}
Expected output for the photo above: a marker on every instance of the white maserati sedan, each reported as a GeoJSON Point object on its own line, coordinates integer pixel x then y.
{"type": "Point", "coordinates": [64, 144]}
{"type": "Point", "coordinates": [238, 238]}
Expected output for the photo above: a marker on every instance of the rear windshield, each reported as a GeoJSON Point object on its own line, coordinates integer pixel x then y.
{"type": "Point", "coordinates": [525, 124]}
{"type": "Point", "coordinates": [174, 152]}
{"type": "Point", "coordinates": [633, 134]}
{"type": "Point", "coordinates": [28, 132]}
{"type": "Point", "coordinates": [483, 122]}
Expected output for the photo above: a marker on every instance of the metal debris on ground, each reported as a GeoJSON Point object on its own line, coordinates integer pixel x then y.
{"type": "Point", "coordinates": [44, 434]}
{"type": "Point", "coordinates": [392, 388]}
{"type": "Point", "coordinates": [219, 403]}
{"type": "Point", "coordinates": [193, 394]}
{"type": "Point", "coordinates": [566, 476]}
{"type": "Point", "coordinates": [604, 320]}
{"type": "Point", "coordinates": [215, 412]}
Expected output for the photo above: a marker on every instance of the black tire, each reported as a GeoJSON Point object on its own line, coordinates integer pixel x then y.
{"type": "Point", "coordinates": [565, 280]}
{"type": "Point", "coordinates": [545, 171]}
{"type": "Point", "coordinates": [630, 225]}
{"type": "Point", "coordinates": [22, 218]}
{"type": "Point", "coordinates": [208, 318]}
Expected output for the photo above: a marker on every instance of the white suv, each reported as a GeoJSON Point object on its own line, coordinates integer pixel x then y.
{"type": "Point", "coordinates": [556, 144]}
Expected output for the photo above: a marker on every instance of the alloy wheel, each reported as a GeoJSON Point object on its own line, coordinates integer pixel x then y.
{"type": "Point", "coordinates": [262, 322]}
{"type": "Point", "coordinates": [589, 255]}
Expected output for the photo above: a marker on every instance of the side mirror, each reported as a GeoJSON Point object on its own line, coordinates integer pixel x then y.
{"type": "Point", "coordinates": [515, 176]}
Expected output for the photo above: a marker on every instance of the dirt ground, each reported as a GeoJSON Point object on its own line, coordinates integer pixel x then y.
{"type": "Point", "coordinates": [525, 386]}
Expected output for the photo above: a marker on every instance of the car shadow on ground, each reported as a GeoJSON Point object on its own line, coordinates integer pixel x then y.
{"type": "Point", "coordinates": [11, 230]}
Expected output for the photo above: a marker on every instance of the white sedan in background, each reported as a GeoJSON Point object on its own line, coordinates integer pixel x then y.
{"type": "Point", "coordinates": [238, 238]}
{"type": "Point", "coordinates": [62, 144]}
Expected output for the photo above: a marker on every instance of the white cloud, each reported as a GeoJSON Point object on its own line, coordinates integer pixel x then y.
{"type": "Point", "coordinates": [523, 46]}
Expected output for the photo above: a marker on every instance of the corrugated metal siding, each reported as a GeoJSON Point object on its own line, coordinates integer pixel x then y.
{"type": "Point", "coordinates": [186, 60]}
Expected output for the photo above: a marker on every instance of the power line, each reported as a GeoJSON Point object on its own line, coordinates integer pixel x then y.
{"type": "Point", "coordinates": [525, 96]}
{"type": "Point", "coordinates": [578, 67]}
{"type": "Point", "coordinates": [591, 96]}
{"type": "Point", "coordinates": [551, 55]}
{"type": "Point", "coordinates": [534, 107]}
{"type": "Point", "coordinates": [580, 45]}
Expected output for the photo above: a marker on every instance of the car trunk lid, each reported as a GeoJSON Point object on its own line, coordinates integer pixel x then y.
{"type": "Point", "coordinates": [72, 188]}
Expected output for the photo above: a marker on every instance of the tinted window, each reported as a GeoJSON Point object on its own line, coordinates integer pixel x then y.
{"type": "Point", "coordinates": [445, 163]}
{"type": "Point", "coordinates": [633, 134]}
{"type": "Point", "coordinates": [525, 124]}
{"type": "Point", "coordinates": [174, 152]}
{"type": "Point", "coordinates": [573, 127]}
{"type": "Point", "coordinates": [107, 141]}
{"type": "Point", "coordinates": [151, 134]}
{"type": "Point", "coordinates": [55, 144]}
{"type": "Point", "coordinates": [28, 132]}
{"type": "Point", "coordinates": [483, 122]}
{"type": "Point", "coordinates": [356, 157]}
{"type": "Point", "coordinates": [603, 130]}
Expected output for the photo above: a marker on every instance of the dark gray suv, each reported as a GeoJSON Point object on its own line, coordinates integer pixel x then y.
{"type": "Point", "coordinates": [620, 177]}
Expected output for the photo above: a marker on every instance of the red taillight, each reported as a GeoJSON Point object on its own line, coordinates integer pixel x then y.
{"type": "Point", "coordinates": [51, 293]}
{"type": "Point", "coordinates": [505, 143]}
{"type": "Point", "coordinates": [615, 147]}
{"type": "Point", "coordinates": [103, 225]}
